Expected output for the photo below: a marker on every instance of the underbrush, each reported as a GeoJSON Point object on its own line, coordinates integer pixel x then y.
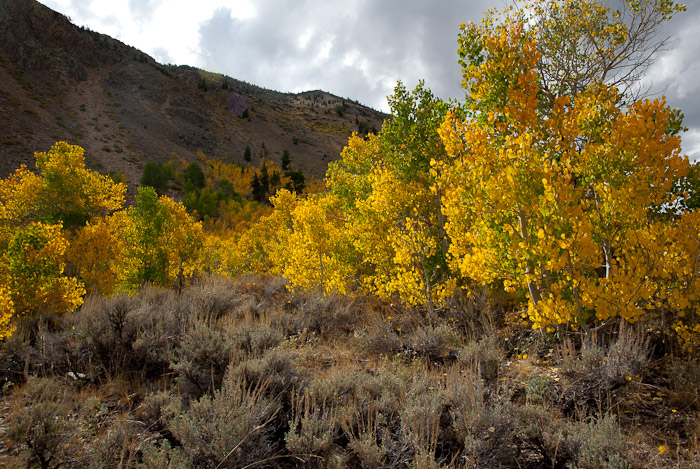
{"type": "Point", "coordinates": [244, 373]}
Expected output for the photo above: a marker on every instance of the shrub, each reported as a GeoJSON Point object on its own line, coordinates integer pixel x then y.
{"type": "Point", "coordinates": [156, 456]}
{"type": "Point", "coordinates": [231, 428]}
{"type": "Point", "coordinates": [384, 341]}
{"type": "Point", "coordinates": [600, 444]}
{"type": "Point", "coordinates": [540, 388]}
{"type": "Point", "coordinates": [254, 341]}
{"type": "Point", "coordinates": [312, 429]}
{"type": "Point", "coordinates": [120, 447]}
{"type": "Point", "coordinates": [39, 347]}
{"type": "Point", "coordinates": [150, 412]}
{"type": "Point", "coordinates": [420, 421]}
{"type": "Point", "coordinates": [481, 357]}
{"type": "Point", "coordinates": [41, 426]}
{"type": "Point", "coordinates": [276, 368]}
{"type": "Point", "coordinates": [434, 343]}
{"type": "Point", "coordinates": [629, 354]}
{"type": "Point", "coordinates": [108, 325]}
{"type": "Point", "coordinates": [201, 359]}
{"type": "Point", "coordinates": [369, 439]}
{"type": "Point", "coordinates": [594, 372]}
{"type": "Point", "coordinates": [213, 298]}
{"type": "Point", "coordinates": [125, 336]}
{"type": "Point", "coordinates": [326, 315]}
{"type": "Point", "coordinates": [463, 397]}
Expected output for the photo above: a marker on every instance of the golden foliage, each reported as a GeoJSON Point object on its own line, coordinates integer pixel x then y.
{"type": "Point", "coordinates": [63, 190]}
{"type": "Point", "coordinates": [31, 269]}
{"type": "Point", "coordinates": [559, 201]}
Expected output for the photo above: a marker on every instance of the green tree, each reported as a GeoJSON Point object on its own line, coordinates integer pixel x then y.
{"type": "Point", "coordinates": [384, 183]}
{"type": "Point", "coordinates": [117, 177]}
{"type": "Point", "coordinates": [204, 203]}
{"type": "Point", "coordinates": [194, 177]}
{"type": "Point", "coordinates": [156, 175]}
{"type": "Point", "coordinates": [161, 242]}
{"type": "Point", "coordinates": [226, 191]}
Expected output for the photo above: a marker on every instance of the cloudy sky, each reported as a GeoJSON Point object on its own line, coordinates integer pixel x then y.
{"type": "Point", "coordinates": [356, 49]}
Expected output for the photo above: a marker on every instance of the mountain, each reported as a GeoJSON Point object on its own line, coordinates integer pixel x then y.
{"type": "Point", "coordinates": [61, 82]}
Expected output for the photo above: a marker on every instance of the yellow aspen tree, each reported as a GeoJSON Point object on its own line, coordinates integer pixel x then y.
{"type": "Point", "coordinates": [221, 254]}
{"type": "Point", "coordinates": [265, 245]}
{"type": "Point", "coordinates": [586, 42]}
{"type": "Point", "coordinates": [396, 241]}
{"type": "Point", "coordinates": [38, 213]}
{"type": "Point", "coordinates": [317, 248]}
{"type": "Point", "coordinates": [239, 215]}
{"type": "Point", "coordinates": [63, 190]}
{"type": "Point", "coordinates": [347, 177]}
{"type": "Point", "coordinates": [395, 219]}
{"type": "Point", "coordinates": [7, 312]}
{"type": "Point", "coordinates": [555, 197]}
{"type": "Point", "coordinates": [32, 274]}
{"type": "Point", "coordinates": [94, 249]}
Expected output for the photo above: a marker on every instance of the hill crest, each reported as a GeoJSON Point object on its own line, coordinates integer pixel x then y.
{"type": "Point", "coordinates": [62, 82]}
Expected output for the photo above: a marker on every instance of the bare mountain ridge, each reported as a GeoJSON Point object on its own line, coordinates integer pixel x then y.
{"type": "Point", "coordinates": [61, 82]}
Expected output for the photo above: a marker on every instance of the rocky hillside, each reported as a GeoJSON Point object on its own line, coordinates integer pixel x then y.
{"type": "Point", "coordinates": [61, 82]}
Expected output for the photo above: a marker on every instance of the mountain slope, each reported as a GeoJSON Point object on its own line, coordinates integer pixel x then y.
{"type": "Point", "coordinates": [61, 82]}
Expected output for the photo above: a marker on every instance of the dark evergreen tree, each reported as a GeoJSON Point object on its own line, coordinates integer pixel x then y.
{"type": "Point", "coordinates": [298, 181]}
{"type": "Point", "coordinates": [275, 182]}
{"type": "Point", "coordinates": [264, 181]}
{"type": "Point", "coordinates": [286, 160]}
{"type": "Point", "coordinates": [246, 153]}
{"type": "Point", "coordinates": [256, 189]}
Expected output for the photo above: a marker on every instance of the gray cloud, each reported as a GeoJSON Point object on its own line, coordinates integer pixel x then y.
{"type": "Point", "coordinates": [142, 10]}
{"type": "Point", "coordinates": [676, 74]}
{"type": "Point", "coordinates": [369, 47]}
{"type": "Point", "coordinates": [81, 7]}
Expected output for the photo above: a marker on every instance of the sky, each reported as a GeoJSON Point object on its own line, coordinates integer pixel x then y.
{"type": "Point", "coordinates": [356, 49]}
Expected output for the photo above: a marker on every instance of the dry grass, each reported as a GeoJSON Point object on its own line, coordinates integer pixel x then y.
{"type": "Point", "coordinates": [242, 372]}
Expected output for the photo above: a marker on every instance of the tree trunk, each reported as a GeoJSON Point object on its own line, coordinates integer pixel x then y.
{"type": "Point", "coordinates": [532, 287]}
{"type": "Point", "coordinates": [441, 223]}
